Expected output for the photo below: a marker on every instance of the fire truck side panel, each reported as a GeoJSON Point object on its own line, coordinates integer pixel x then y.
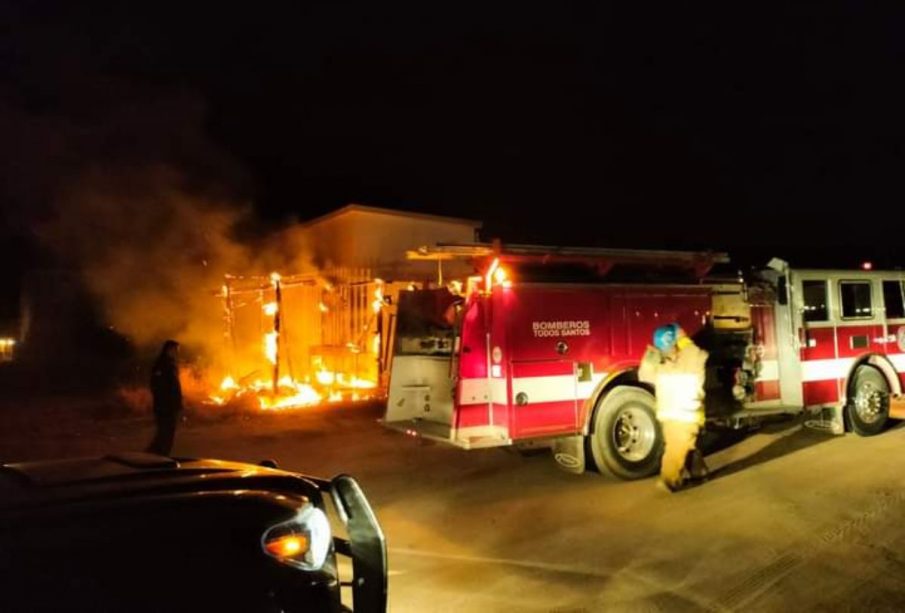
{"type": "Point", "coordinates": [473, 393]}
{"type": "Point", "coordinates": [831, 349]}
{"type": "Point", "coordinates": [821, 370]}
{"type": "Point", "coordinates": [550, 388]}
{"type": "Point", "coordinates": [853, 341]}
{"type": "Point", "coordinates": [565, 340]}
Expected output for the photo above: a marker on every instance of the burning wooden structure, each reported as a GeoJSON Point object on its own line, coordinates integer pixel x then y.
{"type": "Point", "coordinates": [302, 339]}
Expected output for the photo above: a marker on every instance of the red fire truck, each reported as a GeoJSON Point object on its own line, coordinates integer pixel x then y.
{"type": "Point", "coordinates": [543, 347]}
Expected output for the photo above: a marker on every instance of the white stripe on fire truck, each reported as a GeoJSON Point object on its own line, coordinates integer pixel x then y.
{"type": "Point", "coordinates": [824, 370]}
{"type": "Point", "coordinates": [769, 370]}
{"type": "Point", "coordinates": [555, 388]}
{"type": "Point", "coordinates": [560, 388]}
{"type": "Point", "coordinates": [898, 361]}
{"type": "Point", "coordinates": [478, 391]}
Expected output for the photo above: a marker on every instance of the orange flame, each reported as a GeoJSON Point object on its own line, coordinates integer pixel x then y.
{"type": "Point", "coordinates": [327, 386]}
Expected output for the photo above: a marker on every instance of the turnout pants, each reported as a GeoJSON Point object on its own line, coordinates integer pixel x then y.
{"type": "Point", "coordinates": [680, 439]}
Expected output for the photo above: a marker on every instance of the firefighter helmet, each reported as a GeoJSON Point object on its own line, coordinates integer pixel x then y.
{"type": "Point", "coordinates": [665, 337]}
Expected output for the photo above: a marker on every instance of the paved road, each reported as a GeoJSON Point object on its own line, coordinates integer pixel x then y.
{"type": "Point", "coordinates": [794, 519]}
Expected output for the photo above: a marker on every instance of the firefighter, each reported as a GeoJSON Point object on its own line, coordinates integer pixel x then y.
{"type": "Point", "coordinates": [167, 394]}
{"type": "Point", "coordinates": [675, 366]}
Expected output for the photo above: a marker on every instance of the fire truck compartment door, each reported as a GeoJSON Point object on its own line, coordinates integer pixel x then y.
{"type": "Point", "coordinates": [420, 388]}
{"type": "Point", "coordinates": [544, 398]}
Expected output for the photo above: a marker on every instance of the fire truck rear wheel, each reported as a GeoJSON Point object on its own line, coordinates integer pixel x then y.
{"type": "Point", "coordinates": [626, 438]}
{"type": "Point", "coordinates": [868, 405]}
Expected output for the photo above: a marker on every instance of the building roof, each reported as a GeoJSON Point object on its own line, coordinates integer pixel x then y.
{"type": "Point", "coordinates": [352, 208]}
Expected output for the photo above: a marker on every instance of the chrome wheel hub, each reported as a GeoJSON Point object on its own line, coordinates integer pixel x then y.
{"type": "Point", "coordinates": [634, 433]}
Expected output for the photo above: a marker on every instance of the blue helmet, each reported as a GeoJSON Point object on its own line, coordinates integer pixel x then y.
{"type": "Point", "coordinates": [665, 337]}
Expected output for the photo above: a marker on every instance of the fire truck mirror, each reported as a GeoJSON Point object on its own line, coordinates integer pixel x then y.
{"type": "Point", "coordinates": [782, 292]}
{"type": "Point", "coordinates": [562, 347]}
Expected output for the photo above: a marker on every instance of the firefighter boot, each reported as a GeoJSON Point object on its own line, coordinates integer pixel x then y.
{"type": "Point", "coordinates": [696, 467]}
{"type": "Point", "coordinates": [667, 487]}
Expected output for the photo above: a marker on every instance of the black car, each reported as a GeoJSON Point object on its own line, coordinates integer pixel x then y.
{"type": "Point", "coordinates": [139, 532]}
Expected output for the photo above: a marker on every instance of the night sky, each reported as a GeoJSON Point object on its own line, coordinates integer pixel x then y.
{"type": "Point", "coordinates": [759, 132]}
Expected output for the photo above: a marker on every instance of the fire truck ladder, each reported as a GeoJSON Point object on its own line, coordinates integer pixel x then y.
{"type": "Point", "coordinates": [698, 263]}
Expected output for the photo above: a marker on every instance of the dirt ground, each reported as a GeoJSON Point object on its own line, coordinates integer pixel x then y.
{"type": "Point", "coordinates": [793, 519]}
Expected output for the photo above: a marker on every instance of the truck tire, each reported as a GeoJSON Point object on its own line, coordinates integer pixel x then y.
{"type": "Point", "coordinates": [626, 437]}
{"type": "Point", "coordinates": [868, 403]}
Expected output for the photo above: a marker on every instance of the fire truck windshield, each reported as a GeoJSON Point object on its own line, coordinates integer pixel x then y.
{"type": "Point", "coordinates": [426, 322]}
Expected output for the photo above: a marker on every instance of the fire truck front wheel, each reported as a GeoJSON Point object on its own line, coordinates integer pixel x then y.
{"type": "Point", "coordinates": [626, 438]}
{"type": "Point", "coordinates": [868, 406]}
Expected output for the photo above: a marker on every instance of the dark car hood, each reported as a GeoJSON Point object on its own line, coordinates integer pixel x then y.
{"type": "Point", "coordinates": [136, 474]}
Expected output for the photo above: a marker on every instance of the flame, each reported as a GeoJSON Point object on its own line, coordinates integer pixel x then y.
{"type": "Point", "coordinates": [270, 346]}
{"type": "Point", "coordinates": [327, 386]}
{"type": "Point", "coordinates": [304, 395]}
{"type": "Point", "coordinates": [325, 377]}
{"type": "Point", "coordinates": [378, 297]}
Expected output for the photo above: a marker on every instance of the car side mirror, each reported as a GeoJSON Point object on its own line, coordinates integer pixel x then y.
{"type": "Point", "coordinates": [268, 463]}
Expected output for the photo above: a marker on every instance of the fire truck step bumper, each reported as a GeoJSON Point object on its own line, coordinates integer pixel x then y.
{"type": "Point", "coordinates": [472, 438]}
{"type": "Point", "coordinates": [750, 417]}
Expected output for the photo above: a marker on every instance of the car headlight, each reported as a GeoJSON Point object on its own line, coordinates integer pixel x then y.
{"type": "Point", "coordinates": [303, 541]}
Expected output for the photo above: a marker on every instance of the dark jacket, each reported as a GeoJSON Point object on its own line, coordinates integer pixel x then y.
{"type": "Point", "coordinates": [165, 386]}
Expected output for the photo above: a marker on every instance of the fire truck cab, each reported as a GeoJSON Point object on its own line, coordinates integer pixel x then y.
{"type": "Point", "coordinates": [544, 347]}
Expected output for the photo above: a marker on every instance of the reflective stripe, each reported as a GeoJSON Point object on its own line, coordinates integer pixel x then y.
{"type": "Point", "coordinates": [830, 369]}
{"type": "Point", "coordinates": [555, 388]}
{"type": "Point", "coordinates": [679, 397]}
{"type": "Point", "coordinates": [769, 370]}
